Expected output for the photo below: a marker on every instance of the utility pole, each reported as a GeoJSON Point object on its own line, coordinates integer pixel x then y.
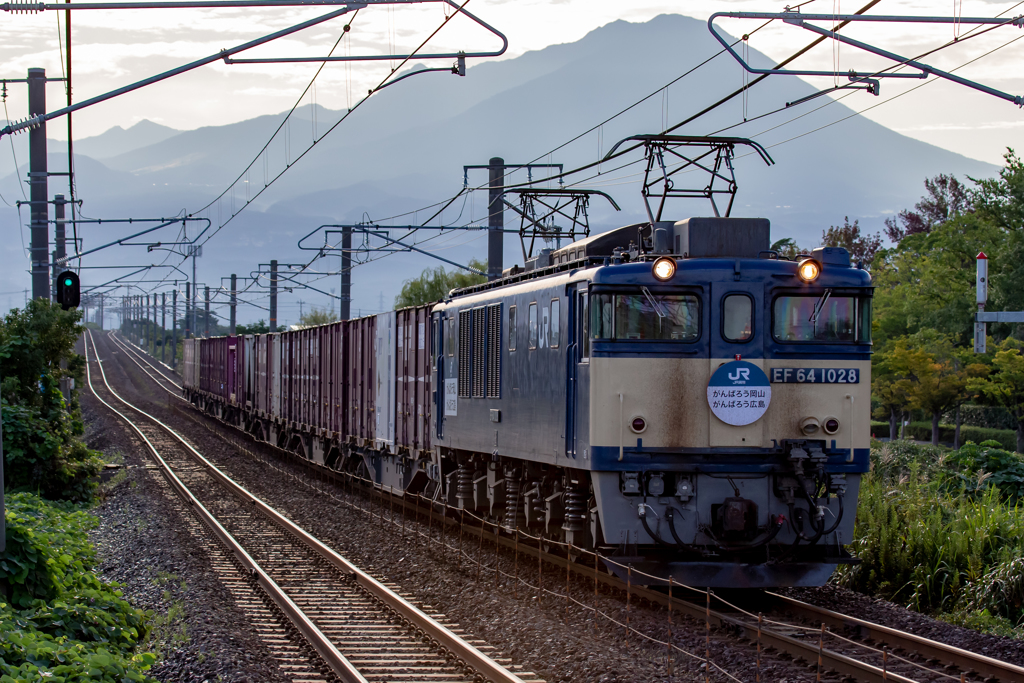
{"type": "Point", "coordinates": [174, 327]}
{"type": "Point", "coordinates": [163, 328]}
{"type": "Point", "coordinates": [146, 328]}
{"type": "Point", "coordinates": [495, 218]}
{"type": "Point", "coordinates": [100, 320]}
{"type": "Point", "coordinates": [273, 295]}
{"type": "Point", "coordinates": [37, 173]}
{"type": "Point", "coordinates": [59, 248]}
{"type": "Point", "coordinates": [206, 325]}
{"type": "Point", "coordinates": [301, 302]}
{"type": "Point", "coordinates": [345, 302]}
{"type": "Point", "coordinates": [234, 302]}
{"type": "Point", "coordinates": [188, 319]}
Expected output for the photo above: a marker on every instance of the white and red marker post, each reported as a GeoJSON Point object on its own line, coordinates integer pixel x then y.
{"type": "Point", "coordinates": [981, 289]}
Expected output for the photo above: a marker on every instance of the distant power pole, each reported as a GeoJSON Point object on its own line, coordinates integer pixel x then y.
{"type": "Point", "coordinates": [234, 302]}
{"type": "Point", "coordinates": [273, 295]}
{"type": "Point", "coordinates": [59, 248]}
{"type": "Point", "coordinates": [174, 327]}
{"type": "Point", "coordinates": [345, 302]}
{"type": "Point", "coordinates": [301, 302]}
{"type": "Point", "coordinates": [188, 319]}
{"type": "Point", "coordinates": [206, 325]}
{"type": "Point", "coordinates": [495, 218]}
{"type": "Point", "coordinates": [99, 321]}
{"type": "Point", "coordinates": [39, 250]}
{"type": "Point", "coordinates": [163, 327]}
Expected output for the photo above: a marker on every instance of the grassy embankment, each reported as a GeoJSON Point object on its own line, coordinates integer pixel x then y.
{"type": "Point", "coordinates": [942, 532]}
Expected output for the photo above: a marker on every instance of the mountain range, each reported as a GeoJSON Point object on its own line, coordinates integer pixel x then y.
{"type": "Point", "coordinates": [406, 146]}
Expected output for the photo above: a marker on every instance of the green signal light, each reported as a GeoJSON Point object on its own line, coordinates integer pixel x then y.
{"type": "Point", "coordinates": [68, 282]}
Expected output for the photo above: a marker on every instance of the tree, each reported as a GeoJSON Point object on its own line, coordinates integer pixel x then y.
{"type": "Point", "coordinates": [787, 248]}
{"type": "Point", "coordinates": [258, 327]}
{"type": "Point", "coordinates": [434, 284]}
{"type": "Point", "coordinates": [945, 198]}
{"type": "Point", "coordinates": [861, 247]}
{"type": "Point", "coordinates": [41, 430]}
{"type": "Point", "coordinates": [1005, 386]}
{"type": "Point", "coordinates": [939, 375]}
{"type": "Point", "coordinates": [317, 316]}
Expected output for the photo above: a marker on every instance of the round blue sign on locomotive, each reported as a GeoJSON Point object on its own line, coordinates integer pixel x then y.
{"type": "Point", "coordinates": [739, 393]}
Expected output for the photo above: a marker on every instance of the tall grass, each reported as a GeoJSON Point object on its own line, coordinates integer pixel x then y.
{"type": "Point", "coordinates": [935, 536]}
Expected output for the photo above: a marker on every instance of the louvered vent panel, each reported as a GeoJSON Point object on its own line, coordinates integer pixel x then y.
{"type": "Point", "coordinates": [465, 352]}
{"type": "Point", "coordinates": [494, 351]}
{"type": "Point", "coordinates": [479, 352]}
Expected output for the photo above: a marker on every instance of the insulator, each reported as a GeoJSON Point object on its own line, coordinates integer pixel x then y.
{"type": "Point", "coordinates": [464, 482]}
{"type": "Point", "coordinates": [515, 511]}
{"type": "Point", "coordinates": [575, 499]}
{"type": "Point", "coordinates": [16, 7]}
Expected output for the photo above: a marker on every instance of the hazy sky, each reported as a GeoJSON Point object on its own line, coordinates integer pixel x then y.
{"type": "Point", "coordinates": [115, 48]}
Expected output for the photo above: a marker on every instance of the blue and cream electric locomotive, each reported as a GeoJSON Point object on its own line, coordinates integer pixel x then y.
{"type": "Point", "coordinates": [675, 394]}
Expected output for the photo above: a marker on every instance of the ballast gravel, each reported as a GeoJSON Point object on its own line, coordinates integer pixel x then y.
{"type": "Point", "coordinates": [142, 544]}
{"type": "Point", "coordinates": [533, 628]}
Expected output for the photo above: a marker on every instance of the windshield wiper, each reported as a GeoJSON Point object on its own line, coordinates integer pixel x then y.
{"type": "Point", "coordinates": [818, 306]}
{"type": "Point", "coordinates": [654, 303]}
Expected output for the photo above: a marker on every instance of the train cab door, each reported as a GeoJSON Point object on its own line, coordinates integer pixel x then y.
{"type": "Point", "coordinates": [577, 441]}
{"type": "Point", "coordinates": [737, 330]}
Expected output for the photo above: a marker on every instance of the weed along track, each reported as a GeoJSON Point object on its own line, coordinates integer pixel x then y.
{"type": "Point", "coordinates": [792, 634]}
{"type": "Point", "coordinates": [324, 618]}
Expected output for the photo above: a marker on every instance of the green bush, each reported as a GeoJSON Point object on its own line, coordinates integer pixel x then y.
{"type": "Point", "coordinates": [42, 448]}
{"type": "Point", "coordinates": [943, 532]}
{"type": "Point", "coordinates": [63, 623]}
{"type": "Point", "coordinates": [922, 431]}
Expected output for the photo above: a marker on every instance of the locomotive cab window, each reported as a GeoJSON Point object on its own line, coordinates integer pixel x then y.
{"type": "Point", "coordinates": [450, 341]}
{"type": "Point", "coordinates": [645, 316]}
{"type": "Point", "coordinates": [822, 318]}
{"type": "Point", "coordinates": [511, 328]}
{"type": "Point", "coordinates": [737, 317]}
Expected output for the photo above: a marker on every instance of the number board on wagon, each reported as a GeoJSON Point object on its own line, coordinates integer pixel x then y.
{"type": "Point", "coordinates": [815, 376]}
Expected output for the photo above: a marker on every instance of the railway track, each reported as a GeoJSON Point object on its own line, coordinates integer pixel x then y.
{"type": "Point", "coordinates": [853, 648]}
{"type": "Point", "coordinates": [346, 625]}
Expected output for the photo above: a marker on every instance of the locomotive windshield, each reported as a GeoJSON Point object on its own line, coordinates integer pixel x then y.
{"type": "Point", "coordinates": [837, 319]}
{"type": "Point", "coordinates": [645, 315]}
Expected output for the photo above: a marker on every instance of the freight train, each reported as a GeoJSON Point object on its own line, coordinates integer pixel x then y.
{"type": "Point", "coordinates": [675, 394]}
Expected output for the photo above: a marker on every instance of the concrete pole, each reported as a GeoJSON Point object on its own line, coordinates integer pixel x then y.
{"type": "Point", "coordinates": [206, 325]}
{"type": "Point", "coordinates": [39, 251]}
{"type": "Point", "coordinates": [99, 321]}
{"type": "Point", "coordinates": [234, 302]}
{"type": "Point", "coordinates": [188, 317]}
{"type": "Point", "coordinates": [163, 328]}
{"type": "Point", "coordinates": [496, 218]}
{"type": "Point", "coordinates": [345, 303]}
{"type": "Point", "coordinates": [174, 327]}
{"type": "Point", "coordinates": [273, 295]}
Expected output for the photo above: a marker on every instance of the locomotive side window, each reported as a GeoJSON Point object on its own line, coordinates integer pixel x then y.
{"type": "Point", "coordinates": [533, 325]}
{"type": "Point", "coordinates": [584, 327]}
{"type": "Point", "coordinates": [450, 342]}
{"type": "Point", "coordinates": [511, 328]}
{"type": "Point", "coordinates": [645, 316]}
{"type": "Point", "coordinates": [737, 318]}
{"type": "Point", "coordinates": [554, 331]}
{"type": "Point", "coordinates": [821, 319]}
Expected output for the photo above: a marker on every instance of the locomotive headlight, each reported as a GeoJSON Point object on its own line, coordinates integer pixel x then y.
{"type": "Point", "coordinates": [664, 268]}
{"type": "Point", "coordinates": [809, 425]}
{"type": "Point", "coordinates": [808, 270]}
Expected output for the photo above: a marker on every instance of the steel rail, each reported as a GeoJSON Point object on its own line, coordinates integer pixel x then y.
{"type": "Point", "coordinates": [324, 647]}
{"type": "Point", "coordinates": [465, 651]}
{"type": "Point", "coordinates": [844, 664]}
{"type": "Point", "coordinates": [964, 659]}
